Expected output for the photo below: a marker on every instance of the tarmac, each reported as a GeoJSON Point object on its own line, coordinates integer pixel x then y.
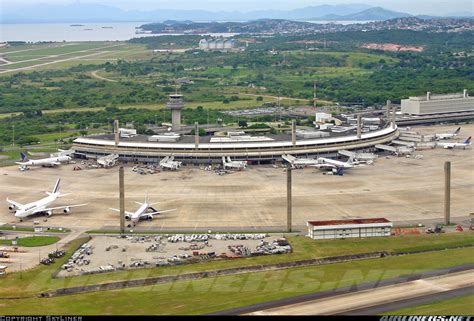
{"type": "Point", "coordinates": [400, 189]}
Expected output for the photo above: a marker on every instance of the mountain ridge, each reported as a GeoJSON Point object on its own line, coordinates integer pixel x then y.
{"type": "Point", "coordinates": [90, 12]}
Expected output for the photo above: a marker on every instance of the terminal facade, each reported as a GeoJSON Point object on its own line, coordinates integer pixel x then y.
{"type": "Point", "coordinates": [254, 149]}
{"type": "Point", "coordinates": [437, 104]}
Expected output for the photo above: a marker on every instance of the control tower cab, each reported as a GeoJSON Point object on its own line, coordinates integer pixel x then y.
{"type": "Point", "coordinates": [176, 104]}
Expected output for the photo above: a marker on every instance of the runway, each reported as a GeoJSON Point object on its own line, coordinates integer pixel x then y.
{"type": "Point", "coordinates": [362, 300]}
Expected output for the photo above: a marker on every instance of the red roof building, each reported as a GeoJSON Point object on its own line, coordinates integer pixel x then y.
{"type": "Point", "coordinates": [341, 229]}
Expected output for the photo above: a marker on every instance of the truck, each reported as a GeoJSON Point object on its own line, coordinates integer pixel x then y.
{"type": "Point", "coordinates": [4, 254]}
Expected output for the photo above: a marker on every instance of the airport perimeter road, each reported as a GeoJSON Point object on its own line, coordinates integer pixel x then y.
{"type": "Point", "coordinates": [387, 295]}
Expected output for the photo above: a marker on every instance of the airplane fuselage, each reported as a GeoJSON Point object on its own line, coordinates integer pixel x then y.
{"type": "Point", "coordinates": [35, 207]}
{"type": "Point", "coordinates": [335, 163]}
{"type": "Point", "coordinates": [138, 213]}
{"type": "Point", "coordinates": [455, 145]}
{"type": "Point", "coordinates": [45, 161]}
{"type": "Point", "coordinates": [445, 136]}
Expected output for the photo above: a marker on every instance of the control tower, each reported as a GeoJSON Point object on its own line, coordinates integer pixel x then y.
{"type": "Point", "coordinates": [176, 104]}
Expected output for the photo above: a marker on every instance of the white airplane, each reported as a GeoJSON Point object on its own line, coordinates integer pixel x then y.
{"type": "Point", "coordinates": [328, 163]}
{"type": "Point", "coordinates": [46, 162]}
{"type": "Point", "coordinates": [462, 145]}
{"type": "Point", "coordinates": [322, 163]}
{"type": "Point", "coordinates": [448, 135]}
{"type": "Point", "coordinates": [142, 213]}
{"type": "Point", "coordinates": [299, 162]}
{"type": "Point", "coordinates": [40, 206]}
{"type": "Point", "coordinates": [169, 163]}
{"type": "Point", "coordinates": [228, 163]}
{"type": "Point", "coordinates": [108, 160]}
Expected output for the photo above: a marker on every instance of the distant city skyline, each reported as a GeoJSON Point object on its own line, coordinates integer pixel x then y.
{"type": "Point", "coordinates": [408, 6]}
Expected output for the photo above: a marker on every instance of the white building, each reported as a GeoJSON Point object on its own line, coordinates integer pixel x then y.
{"type": "Point", "coordinates": [323, 117]}
{"type": "Point", "coordinates": [436, 104]}
{"type": "Point", "coordinates": [341, 229]}
{"type": "Point", "coordinates": [127, 132]}
{"type": "Point", "coordinates": [221, 44]}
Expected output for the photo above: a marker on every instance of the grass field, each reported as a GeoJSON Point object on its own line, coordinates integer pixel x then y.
{"type": "Point", "coordinates": [32, 241]}
{"type": "Point", "coordinates": [463, 305]}
{"type": "Point", "coordinates": [303, 248]}
{"type": "Point", "coordinates": [220, 293]}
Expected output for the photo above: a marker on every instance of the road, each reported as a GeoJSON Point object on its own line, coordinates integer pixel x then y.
{"type": "Point", "coordinates": [95, 75]}
{"type": "Point", "coordinates": [386, 295]}
{"type": "Point", "coordinates": [282, 97]}
{"type": "Point", "coordinates": [28, 257]}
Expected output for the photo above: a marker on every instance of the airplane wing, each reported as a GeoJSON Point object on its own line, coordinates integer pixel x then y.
{"type": "Point", "coordinates": [168, 200]}
{"type": "Point", "coordinates": [61, 207]}
{"type": "Point", "coordinates": [117, 210]}
{"type": "Point", "coordinates": [157, 212]}
{"type": "Point", "coordinates": [16, 204]}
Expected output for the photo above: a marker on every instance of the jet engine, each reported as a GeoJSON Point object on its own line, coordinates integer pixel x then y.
{"type": "Point", "coordinates": [149, 217]}
{"type": "Point", "coordinates": [49, 213]}
{"type": "Point", "coordinates": [66, 210]}
{"type": "Point", "coordinates": [11, 207]}
{"type": "Point", "coordinates": [128, 217]}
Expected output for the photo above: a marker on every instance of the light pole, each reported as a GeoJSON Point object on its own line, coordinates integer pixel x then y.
{"type": "Point", "coordinates": [60, 132]}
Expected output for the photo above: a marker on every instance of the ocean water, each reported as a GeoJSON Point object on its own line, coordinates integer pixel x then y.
{"type": "Point", "coordinates": [107, 31]}
{"type": "Point", "coordinates": [35, 32]}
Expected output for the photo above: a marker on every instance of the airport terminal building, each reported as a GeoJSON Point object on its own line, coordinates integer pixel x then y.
{"type": "Point", "coordinates": [240, 146]}
{"type": "Point", "coordinates": [437, 104]}
{"type": "Point", "coordinates": [202, 150]}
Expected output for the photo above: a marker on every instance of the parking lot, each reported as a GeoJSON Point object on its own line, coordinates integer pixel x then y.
{"type": "Point", "coordinates": [110, 253]}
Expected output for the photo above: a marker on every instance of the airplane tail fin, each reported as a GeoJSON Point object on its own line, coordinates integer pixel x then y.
{"type": "Point", "coordinates": [56, 186]}
{"type": "Point", "coordinates": [468, 140]}
{"type": "Point", "coordinates": [351, 159]}
{"type": "Point", "coordinates": [457, 131]}
{"type": "Point", "coordinates": [23, 157]}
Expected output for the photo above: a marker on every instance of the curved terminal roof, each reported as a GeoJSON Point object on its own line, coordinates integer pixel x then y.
{"type": "Point", "coordinates": [234, 145]}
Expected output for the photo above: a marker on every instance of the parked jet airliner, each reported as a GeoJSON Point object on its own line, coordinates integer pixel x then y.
{"type": "Point", "coordinates": [40, 206]}
{"type": "Point", "coordinates": [50, 161]}
{"type": "Point", "coordinates": [462, 145]}
{"type": "Point", "coordinates": [142, 212]}
{"type": "Point", "coordinates": [448, 135]}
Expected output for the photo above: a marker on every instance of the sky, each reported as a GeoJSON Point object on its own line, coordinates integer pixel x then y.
{"type": "Point", "coordinates": [433, 7]}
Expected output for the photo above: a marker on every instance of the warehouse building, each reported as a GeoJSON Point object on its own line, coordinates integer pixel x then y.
{"type": "Point", "coordinates": [437, 104]}
{"type": "Point", "coordinates": [221, 44]}
{"type": "Point", "coordinates": [341, 229]}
